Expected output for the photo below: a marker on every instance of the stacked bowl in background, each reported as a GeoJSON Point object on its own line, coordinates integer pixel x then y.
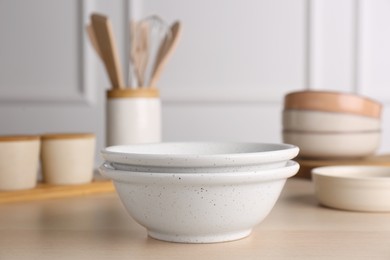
{"type": "Point", "coordinates": [331, 124]}
{"type": "Point", "coordinates": [199, 192]}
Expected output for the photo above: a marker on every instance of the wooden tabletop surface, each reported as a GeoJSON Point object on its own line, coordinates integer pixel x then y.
{"type": "Point", "coordinates": [97, 227]}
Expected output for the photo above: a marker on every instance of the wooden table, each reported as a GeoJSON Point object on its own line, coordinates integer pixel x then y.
{"type": "Point", "coordinates": [97, 227]}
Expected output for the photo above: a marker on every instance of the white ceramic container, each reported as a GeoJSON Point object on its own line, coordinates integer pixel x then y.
{"type": "Point", "coordinates": [199, 156]}
{"type": "Point", "coordinates": [133, 116]}
{"type": "Point", "coordinates": [68, 159]}
{"type": "Point", "coordinates": [199, 208]}
{"type": "Point", "coordinates": [322, 121]}
{"type": "Point", "coordinates": [334, 145]}
{"type": "Point", "coordinates": [19, 160]}
{"type": "Point", "coordinates": [357, 188]}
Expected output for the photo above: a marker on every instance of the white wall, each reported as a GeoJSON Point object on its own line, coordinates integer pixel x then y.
{"type": "Point", "coordinates": [233, 66]}
{"type": "Point", "coordinates": [241, 57]}
{"type": "Point", "coordinates": [226, 81]}
{"type": "Point", "coordinates": [50, 78]}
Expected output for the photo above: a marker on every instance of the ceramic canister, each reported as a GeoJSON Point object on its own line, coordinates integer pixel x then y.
{"type": "Point", "coordinates": [133, 116]}
{"type": "Point", "coordinates": [19, 159]}
{"type": "Point", "coordinates": [68, 158]}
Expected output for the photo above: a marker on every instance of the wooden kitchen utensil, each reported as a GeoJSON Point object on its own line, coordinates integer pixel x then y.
{"type": "Point", "coordinates": [132, 80]}
{"type": "Point", "coordinates": [92, 38]}
{"type": "Point", "coordinates": [165, 51]}
{"type": "Point", "coordinates": [106, 41]}
{"type": "Point", "coordinates": [140, 50]}
{"type": "Point", "coordinates": [147, 37]}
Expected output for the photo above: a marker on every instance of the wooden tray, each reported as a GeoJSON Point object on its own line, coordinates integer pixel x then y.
{"type": "Point", "coordinates": [46, 191]}
{"type": "Point", "coordinates": [308, 164]}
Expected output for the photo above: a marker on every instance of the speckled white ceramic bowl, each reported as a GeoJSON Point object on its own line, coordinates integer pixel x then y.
{"type": "Point", "coordinates": [196, 157]}
{"type": "Point", "coordinates": [357, 188]}
{"type": "Point", "coordinates": [199, 208]}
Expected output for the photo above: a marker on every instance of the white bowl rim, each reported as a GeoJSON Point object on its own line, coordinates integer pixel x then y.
{"type": "Point", "coordinates": [255, 153]}
{"type": "Point", "coordinates": [354, 173]}
{"type": "Point", "coordinates": [289, 170]}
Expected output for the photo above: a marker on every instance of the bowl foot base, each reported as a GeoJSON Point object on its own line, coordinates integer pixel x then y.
{"type": "Point", "coordinates": [198, 239]}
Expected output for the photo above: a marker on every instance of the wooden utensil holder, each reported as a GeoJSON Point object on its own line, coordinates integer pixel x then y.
{"type": "Point", "coordinates": [133, 116]}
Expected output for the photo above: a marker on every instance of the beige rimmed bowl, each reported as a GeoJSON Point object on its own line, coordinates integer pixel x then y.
{"type": "Point", "coordinates": [333, 102]}
{"type": "Point", "coordinates": [325, 124]}
{"type": "Point", "coordinates": [355, 188]}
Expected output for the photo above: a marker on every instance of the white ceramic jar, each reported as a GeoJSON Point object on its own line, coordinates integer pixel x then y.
{"type": "Point", "coordinates": [19, 159]}
{"type": "Point", "coordinates": [133, 116]}
{"type": "Point", "coordinates": [68, 159]}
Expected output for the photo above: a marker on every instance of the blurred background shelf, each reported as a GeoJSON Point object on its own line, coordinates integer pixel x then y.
{"type": "Point", "coordinates": [306, 165]}
{"type": "Point", "coordinates": [46, 191]}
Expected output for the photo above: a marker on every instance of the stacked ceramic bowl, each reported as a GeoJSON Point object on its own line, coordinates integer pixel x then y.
{"type": "Point", "coordinates": [199, 192]}
{"type": "Point", "coordinates": [331, 124]}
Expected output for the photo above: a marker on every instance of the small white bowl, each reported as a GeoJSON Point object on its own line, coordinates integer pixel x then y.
{"type": "Point", "coordinates": [199, 208]}
{"type": "Point", "coordinates": [356, 188]}
{"type": "Point", "coordinates": [322, 121]}
{"type": "Point", "coordinates": [334, 145]}
{"type": "Point", "coordinates": [201, 154]}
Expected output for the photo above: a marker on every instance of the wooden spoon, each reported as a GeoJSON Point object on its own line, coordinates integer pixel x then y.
{"type": "Point", "coordinates": [165, 51]}
{"type": "Point", "coordinates": [106, 40]}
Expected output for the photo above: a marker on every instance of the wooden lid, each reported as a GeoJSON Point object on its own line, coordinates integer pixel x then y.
{"type": "Point", "coordinates": [141, 92]}
{"type": "Point", "coordinates": [67, 136]}
{"type": "Point", "coordinates": [332, 102]}
{"type": "Point", "coordinates": [16, 138]}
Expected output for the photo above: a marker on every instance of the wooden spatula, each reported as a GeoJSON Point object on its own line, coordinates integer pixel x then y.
{"type": "Point", "coordinates": [140, 50]}
{"type": "Point", "coordinates": [106, 41]}
{"type": "Point", "coordinates": [92, 38]}
{"type": "Point", "coordinates": [165, 51]}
